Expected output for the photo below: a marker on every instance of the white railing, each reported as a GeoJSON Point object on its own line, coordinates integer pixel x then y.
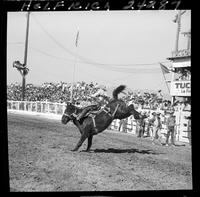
{"type": "Point", "coordinates": [182, 132]}
{"type": "Point", "coordinates": [37, 106]}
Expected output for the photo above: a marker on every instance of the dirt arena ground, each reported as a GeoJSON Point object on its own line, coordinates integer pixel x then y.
{"type": "Point", "coordinates": [40, 160]}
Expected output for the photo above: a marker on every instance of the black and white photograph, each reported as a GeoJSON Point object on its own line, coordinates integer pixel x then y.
{"type": "Point", "coordinates": [99, 100]}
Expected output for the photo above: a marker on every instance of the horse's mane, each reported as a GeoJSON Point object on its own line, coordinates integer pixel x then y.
{"type": "Point", "coordinates": [117, 91]}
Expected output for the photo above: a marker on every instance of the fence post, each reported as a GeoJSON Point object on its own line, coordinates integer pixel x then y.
{"type": "Point", "coordinates": [48, 107]}
{"type": "Point", "coordinates": [42, 108]}
{"type": "Point", "coordinates": [28, 105]}
{"type": "Point", "coordinates": [178, 125]}
{"type": "Point", "coordinates": [55, 108]}
{"type": "Point", "coordinates": [36, 106]}
{"type": "Point", "coordinates": [63, 109]}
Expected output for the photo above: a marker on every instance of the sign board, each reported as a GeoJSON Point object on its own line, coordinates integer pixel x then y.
{"type": "Point", "coordinates": [180, 88]}
{"type": "Point", "coordinates": [181, 64]}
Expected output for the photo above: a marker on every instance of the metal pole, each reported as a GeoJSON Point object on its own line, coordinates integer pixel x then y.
{"type": "Point", "coordinates": [172, 80]}
{"type": "Point", "coordinates": [26, 43]}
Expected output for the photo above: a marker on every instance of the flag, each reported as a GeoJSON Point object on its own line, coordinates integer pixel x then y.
{"type": "Point", "coordinates": [164, 69]}
{"type": "Point", "coordinates": [77, 38]}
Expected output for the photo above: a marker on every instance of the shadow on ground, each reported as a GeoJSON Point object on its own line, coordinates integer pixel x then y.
{"type": "Point", "coordinates": [132, 150]}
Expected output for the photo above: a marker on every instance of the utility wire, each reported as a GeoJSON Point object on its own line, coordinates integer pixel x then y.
{"type": "Point", "coordinates": [86, 60]}
{"type": "Point", "coordinates": [116, 69]}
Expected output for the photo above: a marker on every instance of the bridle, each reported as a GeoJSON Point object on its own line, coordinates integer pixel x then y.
{"type": "Point", "coordinates": [70, 116]}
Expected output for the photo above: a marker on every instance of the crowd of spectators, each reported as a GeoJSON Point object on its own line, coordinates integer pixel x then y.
{"type": "Point", "coordinates": [86, 93]}
{"type": "Point", "coordinates": [83, 93]}
{"type": "Point", "coordinates": [148, 100]}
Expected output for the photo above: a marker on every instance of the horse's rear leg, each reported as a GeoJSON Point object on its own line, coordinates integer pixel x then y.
{"type": "Point", "coordinates": [80, 142]}
{"type": "Point", "coordinates": [89, 142]}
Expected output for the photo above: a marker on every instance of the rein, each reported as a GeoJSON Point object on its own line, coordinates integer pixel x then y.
{"type": "Point", "coordinates": [109, 113]}
{"type": "Point", "coordinates": [115, 111]}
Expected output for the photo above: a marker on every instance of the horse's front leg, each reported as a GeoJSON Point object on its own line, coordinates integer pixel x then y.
{"type": "Point", "coordinates": [77, 123]}
{"type": "Point", "coordinates": [80, 142]}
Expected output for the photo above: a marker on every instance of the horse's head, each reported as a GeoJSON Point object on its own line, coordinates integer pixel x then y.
{"type": "Point", "coordinates": [68, 113]}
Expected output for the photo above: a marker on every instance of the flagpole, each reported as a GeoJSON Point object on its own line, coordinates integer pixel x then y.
{"type": "Point", "coordinates": [75, 61]}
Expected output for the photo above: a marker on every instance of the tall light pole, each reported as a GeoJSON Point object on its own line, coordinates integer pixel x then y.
{"type": "Point", "coordinates": [22, 68]}
{"type": "Point", "coordinates": [25, 57]}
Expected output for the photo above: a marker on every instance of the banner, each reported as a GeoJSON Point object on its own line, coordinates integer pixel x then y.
{"type": "Point", "coordinates": [180, 88]}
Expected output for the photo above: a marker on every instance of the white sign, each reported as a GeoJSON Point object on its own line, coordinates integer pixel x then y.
{"type": "Point", "coordinates": [181, 64]}
{"type": "Point", "coordinates": [180, 88]}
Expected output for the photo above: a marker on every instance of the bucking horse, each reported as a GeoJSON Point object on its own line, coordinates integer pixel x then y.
{"type": "Point", "coordinates": [92, 123]}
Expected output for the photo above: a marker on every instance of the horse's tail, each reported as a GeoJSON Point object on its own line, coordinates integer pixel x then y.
{"type": "Point", "coordinates": [118, 90]}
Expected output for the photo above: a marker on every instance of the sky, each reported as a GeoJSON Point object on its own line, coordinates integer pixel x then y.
{"type": "Point", "coordinates": [114, 47]}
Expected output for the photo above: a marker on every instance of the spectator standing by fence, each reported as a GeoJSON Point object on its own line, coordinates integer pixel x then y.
{"type": "Point", "coordinates": [151, 123]}
{"type": "Point", "coordinates": [141, 125]}
{"type": "Point", "coordinates": [157, 125]}
{"type": "Point", "coordinates": [170, 123]}
{"type": "Point", "coordinates": [122, 123]}
{"type": "Point", "coordinates": [160, 96]}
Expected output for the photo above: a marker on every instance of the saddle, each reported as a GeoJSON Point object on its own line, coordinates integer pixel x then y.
{"type": "Point", "coordinates": [90, 111]}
